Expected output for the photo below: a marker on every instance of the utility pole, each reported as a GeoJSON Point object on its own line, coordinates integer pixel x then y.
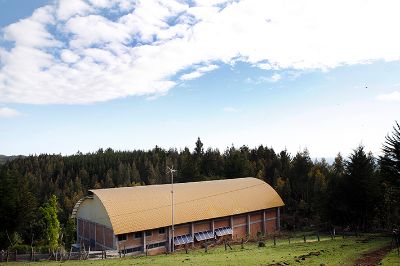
{"type": "Point", "coordinates": [172, 171]}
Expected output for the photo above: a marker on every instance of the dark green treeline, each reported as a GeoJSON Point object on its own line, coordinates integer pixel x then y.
{"type": "Point", "coordinates": [359, 191]}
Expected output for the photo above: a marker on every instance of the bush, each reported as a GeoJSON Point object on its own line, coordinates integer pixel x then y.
{"type": "Point", "coordinates": [21, 249]}
{"type": "Point", "coordinates": [42, 249]}
{"type": "Point", "coordinates": [261, 244]}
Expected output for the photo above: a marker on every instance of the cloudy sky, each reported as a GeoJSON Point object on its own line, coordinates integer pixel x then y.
{"type": "Point", "coordinates": [84, 74]}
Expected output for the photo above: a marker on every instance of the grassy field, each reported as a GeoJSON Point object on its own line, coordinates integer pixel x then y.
{"type": "Point", "coordinates": [327, 252]}
{"type": "Point", "coordinates": [392, 259]}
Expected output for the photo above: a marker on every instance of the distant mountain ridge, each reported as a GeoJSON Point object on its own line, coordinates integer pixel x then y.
{"type": "Point", "coordinates": [5, 158]}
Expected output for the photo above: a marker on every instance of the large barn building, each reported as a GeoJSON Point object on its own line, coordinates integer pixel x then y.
{"type": "Point", "coordinates": [139, 219]}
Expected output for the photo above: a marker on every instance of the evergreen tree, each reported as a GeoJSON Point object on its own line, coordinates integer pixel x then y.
{"type": "Point", "coordinates": [108, 182]}
{"type": "Point", "coordinates": [300, 168]}
{"type": "Point", "coordinates": [150, 176]}
{"type": "Point", "coordinates": [135, 175]}
{"type": "Point", "coordinates": [390, 161]}
{"type": "Point", "coordinates": [189, 168]}
{"type": "Point", "coordinates": [390, 173]}
{"type": "Point", "coordinates": [318, 179]}
{"type": "Point", "coordinates": [198, 150]}
{"type": "Point", "coordinates": [361, 188]}
{"type": "Point", "coordinates": [237, 163]}
{"type": "Point", "coordinates": [212, 164]}
{"type": "Point", "coordinates": [336, 206]}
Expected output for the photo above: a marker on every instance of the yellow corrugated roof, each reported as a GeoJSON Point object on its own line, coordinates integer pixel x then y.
{"type": "Point", "coordinates": [133, 209]}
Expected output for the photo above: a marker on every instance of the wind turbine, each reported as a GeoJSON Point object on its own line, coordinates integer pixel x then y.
{"type": "Point", "coordinates": [171, 170]}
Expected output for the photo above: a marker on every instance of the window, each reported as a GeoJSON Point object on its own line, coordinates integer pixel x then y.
{"type": "Point", "coordinates": [156, 245]}
{"type": "Point", "coordinates": [161, 230]}
{"type": "Point", "coordinates": [135, 249]}
{"type": "Point", "coordinates": [182, 240]}
{"type": "Point", "coordinates": [138, 234]}
{"type": "Point", "coordinates": [122, 237]}
{"type": "Point", "coordinates": [148, 233]}
{"type": "Point", "coordinates": [200, 236]}
{"type": "Point", "coordinates": [223, 231]}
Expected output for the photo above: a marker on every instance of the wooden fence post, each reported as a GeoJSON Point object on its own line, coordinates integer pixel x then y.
{"type": "Point", "coordinates": [274, 240]}
{"type": "Point", "coordinates": [289, 239]}
{"type": "Point", "coordinates": [15, 254]}
{"type": "Point", "coordinates": [80, 250]}
{"type": "Point", "coordinates": [70, 251]}
{"type": "Point", "coordinates": [242, 244]}
{"type": "Point", "coordinates": [318, 236]}
{"type": "Point", "coordinates": [304, 238]}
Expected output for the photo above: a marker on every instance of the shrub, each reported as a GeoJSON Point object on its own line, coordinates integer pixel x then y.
{"type": "Point", "coordinates": [21, 249]}
{"type": "Point", "coordinates": [42, 249]}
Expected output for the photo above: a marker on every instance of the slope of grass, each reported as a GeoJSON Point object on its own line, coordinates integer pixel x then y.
{"type": "Point", "coordinates": [327, 252]}
{"type": "Point", "coordinates": [393, 258]}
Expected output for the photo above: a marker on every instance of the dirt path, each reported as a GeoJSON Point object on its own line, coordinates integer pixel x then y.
{"type": "Point", "coordinates": [373, 258]}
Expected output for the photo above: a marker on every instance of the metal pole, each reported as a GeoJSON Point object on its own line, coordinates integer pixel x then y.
{"type": "Point", "coordinates": [172, 194]}
{"type": "Point", "coordinates": [172, 170]}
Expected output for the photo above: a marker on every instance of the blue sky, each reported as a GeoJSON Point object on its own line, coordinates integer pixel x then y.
{"type": "Point", "coordinates": [82, 75]}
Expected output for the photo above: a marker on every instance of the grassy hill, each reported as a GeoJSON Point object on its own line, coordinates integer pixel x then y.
{"type": "Point", "coordinates": [327, 252]}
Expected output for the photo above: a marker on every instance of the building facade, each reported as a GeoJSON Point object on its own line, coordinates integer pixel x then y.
{"type": "Point", "coordinates": [138, 220]}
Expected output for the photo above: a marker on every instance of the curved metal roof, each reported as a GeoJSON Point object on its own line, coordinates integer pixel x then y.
{"type": "Point", "coordinates": [133, 209]}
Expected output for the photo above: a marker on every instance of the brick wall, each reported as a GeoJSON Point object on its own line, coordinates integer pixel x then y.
{"type": "Point", "coordinates": [182, 230]}
{"type": "Point", "coordinates": [202, 226]}
{"type": "Point", "coordinates": [222, 222]}
{"type": "Point", "coordinates": [155, 237]}
{"type": "Point", "coordinates": [99, 236]}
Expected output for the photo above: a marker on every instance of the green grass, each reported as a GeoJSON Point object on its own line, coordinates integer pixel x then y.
{"type": "Point", "coordinates": [326, 252]}
{"type": "Point", "coordinates": [393, 258]}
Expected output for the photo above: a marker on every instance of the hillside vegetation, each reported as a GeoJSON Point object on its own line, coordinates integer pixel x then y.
{"type": "Point", "coordinates": [360, 192]}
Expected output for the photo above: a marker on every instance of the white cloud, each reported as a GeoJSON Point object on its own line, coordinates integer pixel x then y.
{"type": "Point", "coordinates": [102, 31]}
{"type": "Point", "coordinates": [32, 32]}
{"type": "Point", "coordinates": [89, 51]}
{"type": "Point", "coordinates": [6, 112]}
{"type": "Point", "coordinates": [274, 78]}
{"type": "Point", "coordinates": [271, 79]}
{"type": "Point", "coordinates": [229, 109]}
{"type": "Point", "coordinates": [69, 56]}
{"type": "Point", "coordinates": [198, 72]}
{"type": "Point", "coordinates": [68, 8]}
{"type": "Point", "coordinates": [390, 97]}
{"type": "Point", "coordinates": [264, 66]}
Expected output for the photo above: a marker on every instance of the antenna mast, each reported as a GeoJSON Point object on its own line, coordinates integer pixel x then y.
{"type": "Point", "coordinates": [172, 171]}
